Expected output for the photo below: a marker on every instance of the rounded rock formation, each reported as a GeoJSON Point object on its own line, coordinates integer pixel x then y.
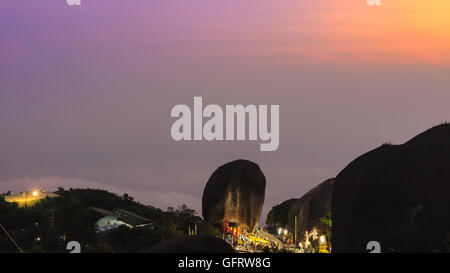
{"type": "Point", "coordinates": [398, 195]}
{"type": "Point", "coordinates": [313, 210]}
{"type": "Point", "coordinates": [235, 193]}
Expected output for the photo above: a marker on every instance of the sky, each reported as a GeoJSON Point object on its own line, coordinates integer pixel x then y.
{"type": "Point", "coordinates": [86, 91]}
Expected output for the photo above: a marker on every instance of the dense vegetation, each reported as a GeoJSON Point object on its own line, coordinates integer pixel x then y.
{"type": "Point", "coordinates": [51, 223]}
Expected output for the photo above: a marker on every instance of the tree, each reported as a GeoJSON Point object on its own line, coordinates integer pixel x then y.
{"type": "Point", "coordinates": [326, 219]}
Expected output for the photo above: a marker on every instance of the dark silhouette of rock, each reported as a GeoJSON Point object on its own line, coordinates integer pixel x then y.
{"type": "Point", "coordinates": [279, 215]}
{"type": "Point", "coordinates": [235, 193]}
{"type": "Point", "coordinates": [191, 244]}
{"type": "Point", "coordinates": [312, 211]}
{"type": "Point", "coordinates": [398, 195]}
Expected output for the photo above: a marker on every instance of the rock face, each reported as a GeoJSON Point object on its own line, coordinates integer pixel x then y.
{"type": "Point", "coordinates": [398, 195]}
{"type": "Point", "coordinates": [310, 210]}
{"type": "Point", "coordinates": [191, 244]}
{"type": "Point", "coordinates": [279, 215]}
{"type": "Point", "coordinates": [235, 193]}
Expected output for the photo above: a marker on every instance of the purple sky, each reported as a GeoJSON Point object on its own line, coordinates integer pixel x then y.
{"type": "Point", "coordinates": [86, 92]}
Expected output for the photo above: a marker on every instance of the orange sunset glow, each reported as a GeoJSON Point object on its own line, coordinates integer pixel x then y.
{"type": "Point", "coordinates": [400, 30]}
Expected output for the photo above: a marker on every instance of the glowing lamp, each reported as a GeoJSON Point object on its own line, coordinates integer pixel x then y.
{"type": "Point", "coordinates": [322, 239]}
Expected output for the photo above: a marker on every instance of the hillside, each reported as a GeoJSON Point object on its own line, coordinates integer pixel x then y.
{"type": "Point", "coordinates": [50, 223]}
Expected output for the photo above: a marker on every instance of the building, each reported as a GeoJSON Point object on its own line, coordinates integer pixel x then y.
{"type": "Point", "coordinates": [113, 220]}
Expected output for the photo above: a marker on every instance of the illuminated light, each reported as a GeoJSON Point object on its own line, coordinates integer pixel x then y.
{"type": "Point", "coordinates": [322, 239]}
{"type": "Point", "coordinates": [35, 193]}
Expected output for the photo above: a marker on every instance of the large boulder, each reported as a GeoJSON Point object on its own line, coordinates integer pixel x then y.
{"type": "Point", "coordinates": [313, 211]}
{"type": "Point", "coordinates": [398, 195]}
{"type": "Point", "coordinates": [235, 194]}
{"type": "Point", "coordinates": [278, 216]}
